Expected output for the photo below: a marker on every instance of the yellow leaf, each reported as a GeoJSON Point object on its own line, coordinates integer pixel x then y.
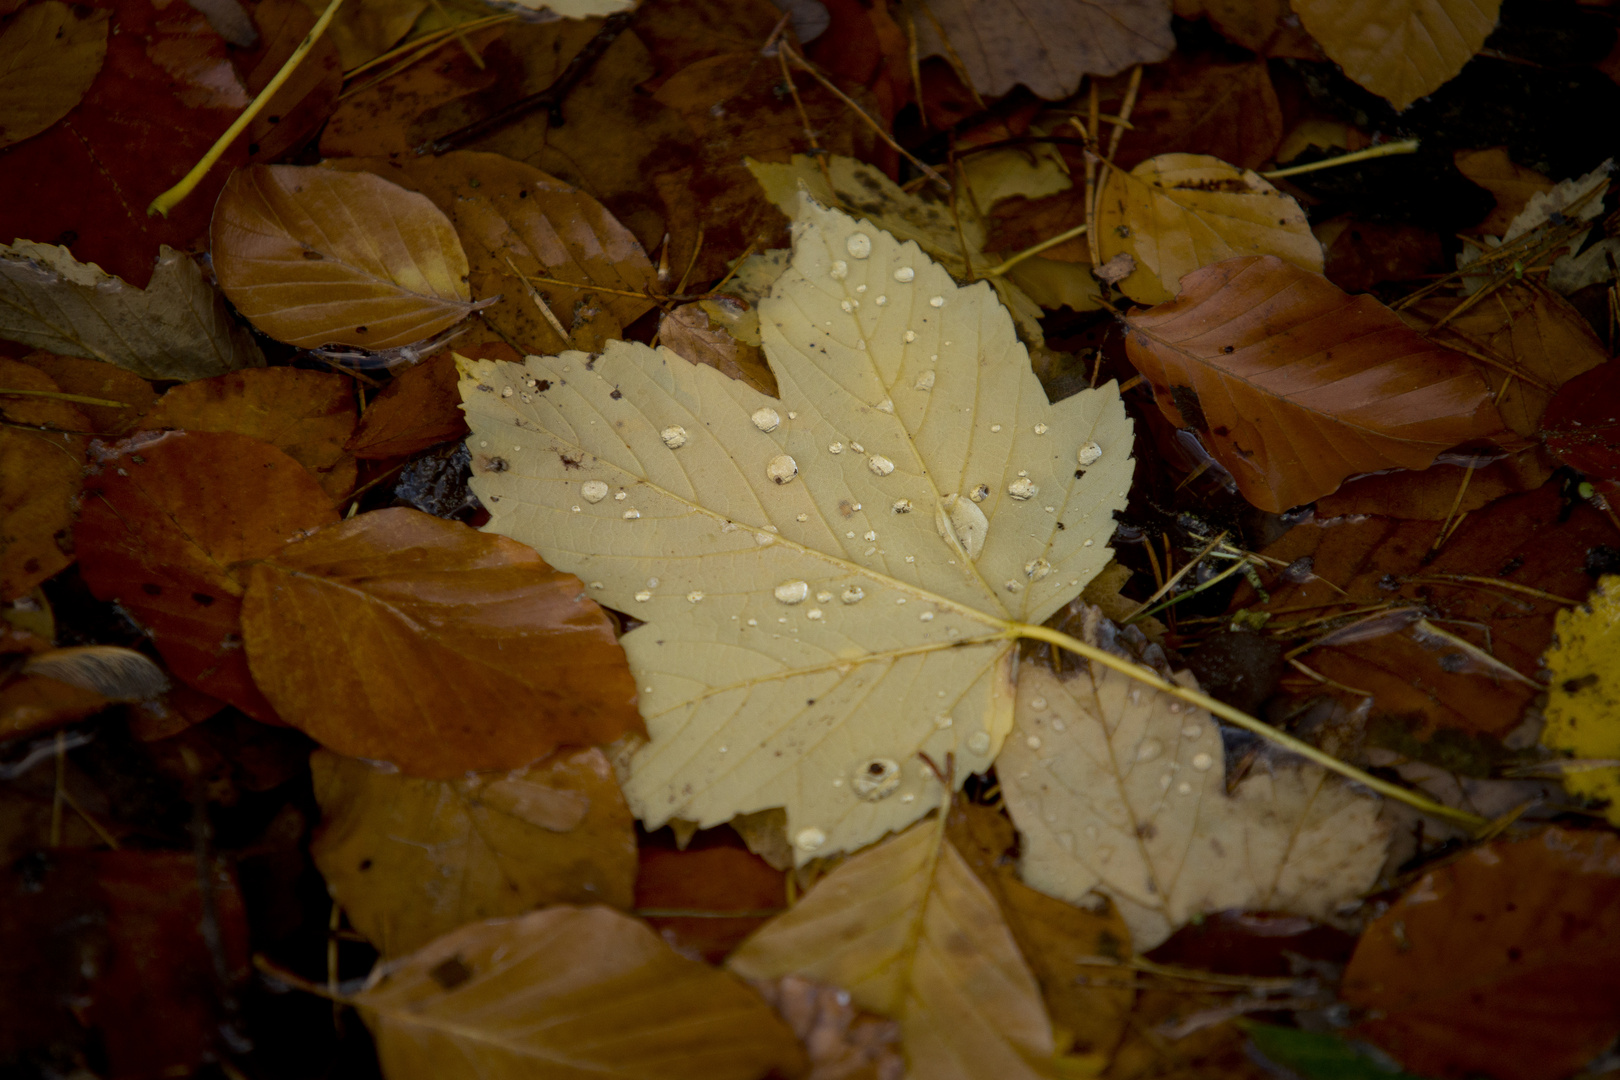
{"type": "Point", "coordinates": [1177, 213]}
{"type": "Point", "coordinates": [1399, 49]}
{"type": "Point", "coordinates": [412, 859]}
{"type": "Point", "coordinates": [1120, 788]}
{"type": "Point", "coordinates": [564, 994]}
{"type": "Point", "coordinates": [912, 934]}
{"type": "Point", "coordinates": [1583, 699]}
{"type": "Point", "coordinates": [48, 58]}
{"type": "Point", "coordinates": [827, 579]}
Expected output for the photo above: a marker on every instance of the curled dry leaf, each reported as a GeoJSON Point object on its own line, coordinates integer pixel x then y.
{"type": "Point", "coordinates": [1504, 963]}
{"type": "Point", "coordinates": [826, 579]}
{"type": "Point", "coordinates": [461, 651]}
{"type": "Point", "coordinates": [1399, 49]}
{"type": "Point", "coordinates": [1583, 697]}
{"type": "Point", "coordinates": [165, 523]}
{"type": "Point", "coordinates": [49, 56]}
{"type": "Point", "coordinates": [1119, 788]}
{"type": "Point", "coordinates": [410, 859]}
{"type": "Point", "coordinates": [913, 935]}
{"type": "Point", "coordinates": [516, 223]}
{"type": "Point", "coordinates": [307, 414]}
{"type": "Point", "coordinates": [1177, 213]}
{"type": "Point", "coordinates": [316, 257]}
{"type": "Point", "coordinates": [1048, 45]}
{"type": "Point", "coordinates": [565, 993]}
{"type": "Point", "coordinates": [176, 328]}
{"type": "Point", "coordinates": [97, 379]}
{"type": "Point", "coordinates": [1294, 385]}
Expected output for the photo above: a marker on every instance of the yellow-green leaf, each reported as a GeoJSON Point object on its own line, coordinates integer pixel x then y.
{"type": "Point", "coordinates": [1583, 699]}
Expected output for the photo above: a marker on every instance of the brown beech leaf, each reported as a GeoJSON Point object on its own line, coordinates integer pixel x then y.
{"type": "Point", "coordinates": [1048, 45]}
{"type": "Point", "coordinates": [315, 257]}
{"type": "Point", "coordinates": [569, 993]}
{"type": "Point", "coordinates": [688, 331]}
{"type": "Point", "coordinates": [1295, 385]}
{"type": "Point", "coordinates": [1511, 184]}
{"type": "Point", "coordinates": [94, 378]}
{"type": "Point", "coordinates": [301, 105]}
{"type": "Point", "coordinates": [705, 899]}
{"type": "Point", "coordinates": [421, 407]}
{"type": "Point", "coordinates": [1360, 254]}
{"type": "Point", "coordinates": [461, 650]}
{"type": "Point", "coordinates": [410, 859]}
{"type": "Point", "coordinates": [1432, 494]}
{"type": "Point", "coordinates": [1504, 963]}
{"type": "Point", "coordinates": [1195, 105]}
{"type": "Point", "coordinates": [517, 223]}
{"type": "Point", "coordinates": [49, 56]}
{"type": "Point", "coordinates": [164, 524]}
{"type": "Point", "coordinates": [307, 414]}
{"type": "Point", "coordinates": [1399, 49]}
{"type": "Point", "coordinates": [41, 472]}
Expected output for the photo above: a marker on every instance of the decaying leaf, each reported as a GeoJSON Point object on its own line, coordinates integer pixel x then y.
{"type": "Point", "coordinates": [162, 529]}
{"type": "Point", "coordinates": [1294, 385]}
{"type": "Point", "coordinates": [1199, 105]}
{"type": "Point", "coordinates": [1503, 963]}
{"type": "Point", "coordinates": [40, 476]}
{"type": "Point", "coordinates": [913, 935]}
{"type": "Point", "coordinates": [315, 257]}
{"type": "Point", "coordinates": [49, 56]}
{"type": "Point", "coordinates": [1583, 706]}
{"type": "Point", "coordinates": [1399, 49]}
{"type": "Point", "coordinates": [1177, 213]}
{"type": "Point", "coordinates": [98, 379]}
{"type": "Point", "coordinates": [1511, 184]}
{"type": "Point", "coordinates": [410, 860]}
{"type": "Point", "coordinates": [687, 331]}
{"type": "Point", "coordinates": [1119, 788]}
{"type": "Point", "coordinates": [568, 993]}
{"type": "Point", "coordinates": [301, 106]}
{"type": "Point", "coordinates": [1048, 45]}
{"type": "Point", "coordinates": [461, 651]}
{"type": "Point", "coordinates": [175, 328]}
{"type": "Point", "coordinates": [1580, 265]}
{"type": "Point", "coordinates": [827, 578]}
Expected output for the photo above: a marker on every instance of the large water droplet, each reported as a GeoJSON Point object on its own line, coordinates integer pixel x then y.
{"type": "Point", "coordinates": [632, 515]}
{"type": "Point", "coordinates": [594, 491]}
{"type": "Point", "coordinates": [978, 742]}
{"type": "Point", "coordinates": [839, 271]}
{"type": "Point", "coordinates": [925, 381]}
{"type": "Point", "coordinates": [782, 469]}
{"type": "Point", "coordinates": [880, 465]}
{"type": "Point", "coordinates": [810, 839]}
{"type": "Point", "coordinates": [876, 779]}
{"type": "Point", "coordinates": [1088, 454]}
{"type": "Point", "coordinates": [766, 419]}
{"type": "Point", "coordinates": [1202, 762]}
{"type": "Point", "coordinates": [695, 595]}
{"type": "Point", "coordinates": [905, 273]}
{"type": "Point", "coordinates": [1037, 703]}
{"type": "Point", "coordinates": [792, 592]}
{"type": "Point", "coordinates": [1036, 569]}
{"type": "Point", "coordinates": [674, 436]}
{"type": "Point", "coordinates": [853, 595]}
{"type": "Point", "coordinates": [813, 613]}
{"type": "Point", "coordinates": [1150, 749]}
{"type": "Point", "coordinates": [643, 596]}
{"type": "Point", "coordinates": [901, 506]}
{"type": "Point", "coordinates": [859, 245]}
{"type": "Point", "coordinates": [1023, 489]}
{"type": "Point", "coordinates": [835, 448]}
{"type": "Point", "coordinates": [938, 301]}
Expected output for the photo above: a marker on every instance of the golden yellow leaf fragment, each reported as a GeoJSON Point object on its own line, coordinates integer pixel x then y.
{"type": "Point", "coordinates": [49, 56]}
{"type": "Point", "coordinates": [827, 578]}
{"type": "Point", "coordinates": [1177, 213]}
{"type": "Point", "coordinates": [412, 859]}
{"type": "Point", "coordinates": [1119, 788]}
{"type": "Point", "coordinates": [564, 994]}
{"type": "Point", "coordinates": [1583, 698]}
{"type": "Point", "coordinates": [1399, 49]}
{"type": "Point", "coordinates": [912, 934]}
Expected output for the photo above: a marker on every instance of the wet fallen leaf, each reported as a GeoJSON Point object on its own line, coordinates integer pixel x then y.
{"type": "Point", "coordinates": [1003, 45]}
{"type": "Point", "coordinates": [1582, 424]}
{"type": "Point", "coordinates": [165, 92]}
{"type": "Point", "coordinates": [316, 257]}
{"type": "Point", "coordinates": [1056, 939]}
{"type": "Point", "coordinates": [49, 56]}
{"type": "Point", "coordinates": [1196, 105]}
{"type": "Point", "coordinates": [840, 1039]}
{"type": "Point", "coordinates": [42, 472]}
{"type": "Point", "coordinates": [679, 33]}
{"type": "Point", "coordinates": [1502, 963]}
{"type": "Point", "coordinates": [518, 224]}
{"type": "Point", "coordinates": [421, 407]}
{"type": "Point", "coordinates": [299, 108]}
{"type": "Point", "coordinates": [98, 379]}
{"type": "Point", "coordinates": [1432, 494]}
{"type": "Point", "coordinates": [1115, 787]}
{"type": "Point", "coordinates": [1289, 381]}
{"type": "Point", "coordinates": [365, 29]}
{"type": "Point", "coordinates": [1357, 255]}
{"type": "Point", "coordinates": [461, 651]}
{"type": "Point", "coordinates": [309, 415]}
{"type": "Point", "coordinates": [1583, 695]}
{"type": "Point", "coordinates": [1177, 213]}
{"type": "Point", "coordinates": [1511, 184]}
{"type": "Point", "coordinates": [854, 512]}
{"type": "Point", "coordinates": [410, 860]}
{"type": "Point", "coordinates": [176, 328]}
{"type": "Point", "coordinates": [165, 523]}
{"type": "Point", "coordinates": [705, 899]}
{"type": "Point", "coordinates": [569, 992]}
{"type": "Point", "coordinates": [687, 332]}
{"type": "Point", "coordinates": [909, 931]}
{"type": "Point", "coordinates": [1399, 49]}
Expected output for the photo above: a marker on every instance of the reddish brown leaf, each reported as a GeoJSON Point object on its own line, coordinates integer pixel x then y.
{"type": "Point", "coordinates": [97, 379]}
{"type": "Point", "coordinates": [307, 414]}
{"type": "Point", "coordinates": [1582, 425]}
{"type": "Point", "coordinates": [162, 526]}
{"type": "Point", "coordinates": [460, 650]}
{"type": "Point", "coordinates": [1295, 385]}
{"type": "Point", "coordinates": [301, 105]}
{"type": "Point", "coordinates": [1505, 963]}
{"type": "Point", "coordinates": [1361, 254]}
{"type": "Point", "coordinates": [687, 331]}
{"type": "Point", "coordinates": [1432, 494]}
{"type": "Point", "coordinates": [421, 407]}
{"type": "Point", "coordinates": [1191, 105]}
{"type": "Point", "coordinates": [728, 891]}
{"type": "Point", "coordinates": [165, 93]}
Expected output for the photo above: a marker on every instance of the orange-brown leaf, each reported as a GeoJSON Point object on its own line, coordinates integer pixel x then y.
{"type": "Point", "coordinates": [421, 407]}
{"type": "Point", "coordinates": [400, 637]}
{"type": "Point", "coordinates": [163, 525]}
{"type": "Point", "coordinates": [1295, 385]}
{"type": "Point", "coordinates": [98, 379]}
{"type": "Point", "coordinates": [304, 100]}
{"type": "Point", "coordinates": [688, 331]}
{"type": "Point", "coordinates": [1505, 963]}
{"type": "Point", "coordinates": [40, 475]}
{"type": "Point", "coordinates": [315, 257]}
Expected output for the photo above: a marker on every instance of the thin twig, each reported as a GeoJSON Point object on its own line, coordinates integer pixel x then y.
{"type": "Point", "coordinates": [1183, 572]}
{"type": "Point", "coordinates": [1405, 146]}
{"type": "Point", "coordinates": [539, 301]}
{"type": "Point", "coordinates": [1030, 252]}
{"type": "Point", "coordinates": [1123, 121]}
{"type": "Point", "coordinates": [57, 395]}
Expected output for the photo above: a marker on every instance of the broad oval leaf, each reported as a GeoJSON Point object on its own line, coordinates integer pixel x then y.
{"type": "Point", "coordinates": [1399, 49]}
{"type": "Point", "coordinates": [460, 651]}
{"type": "Point", "coordinates": [565, 994]}
{"type": "Point", "coordinates": [1176, 213]}
{"type": "Point", "coordinates": [1295, 385]}
{"type": "Point", "coordinates": [1119, 788]}
{"type": "Point", "coordinates": [48, 58]}
{"type": "Point", "coordinates": [912, 934]}
{"type": "Point", "coordinates": [316, 257]}
{"type": "Point", "coordinates": [827, 579]}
